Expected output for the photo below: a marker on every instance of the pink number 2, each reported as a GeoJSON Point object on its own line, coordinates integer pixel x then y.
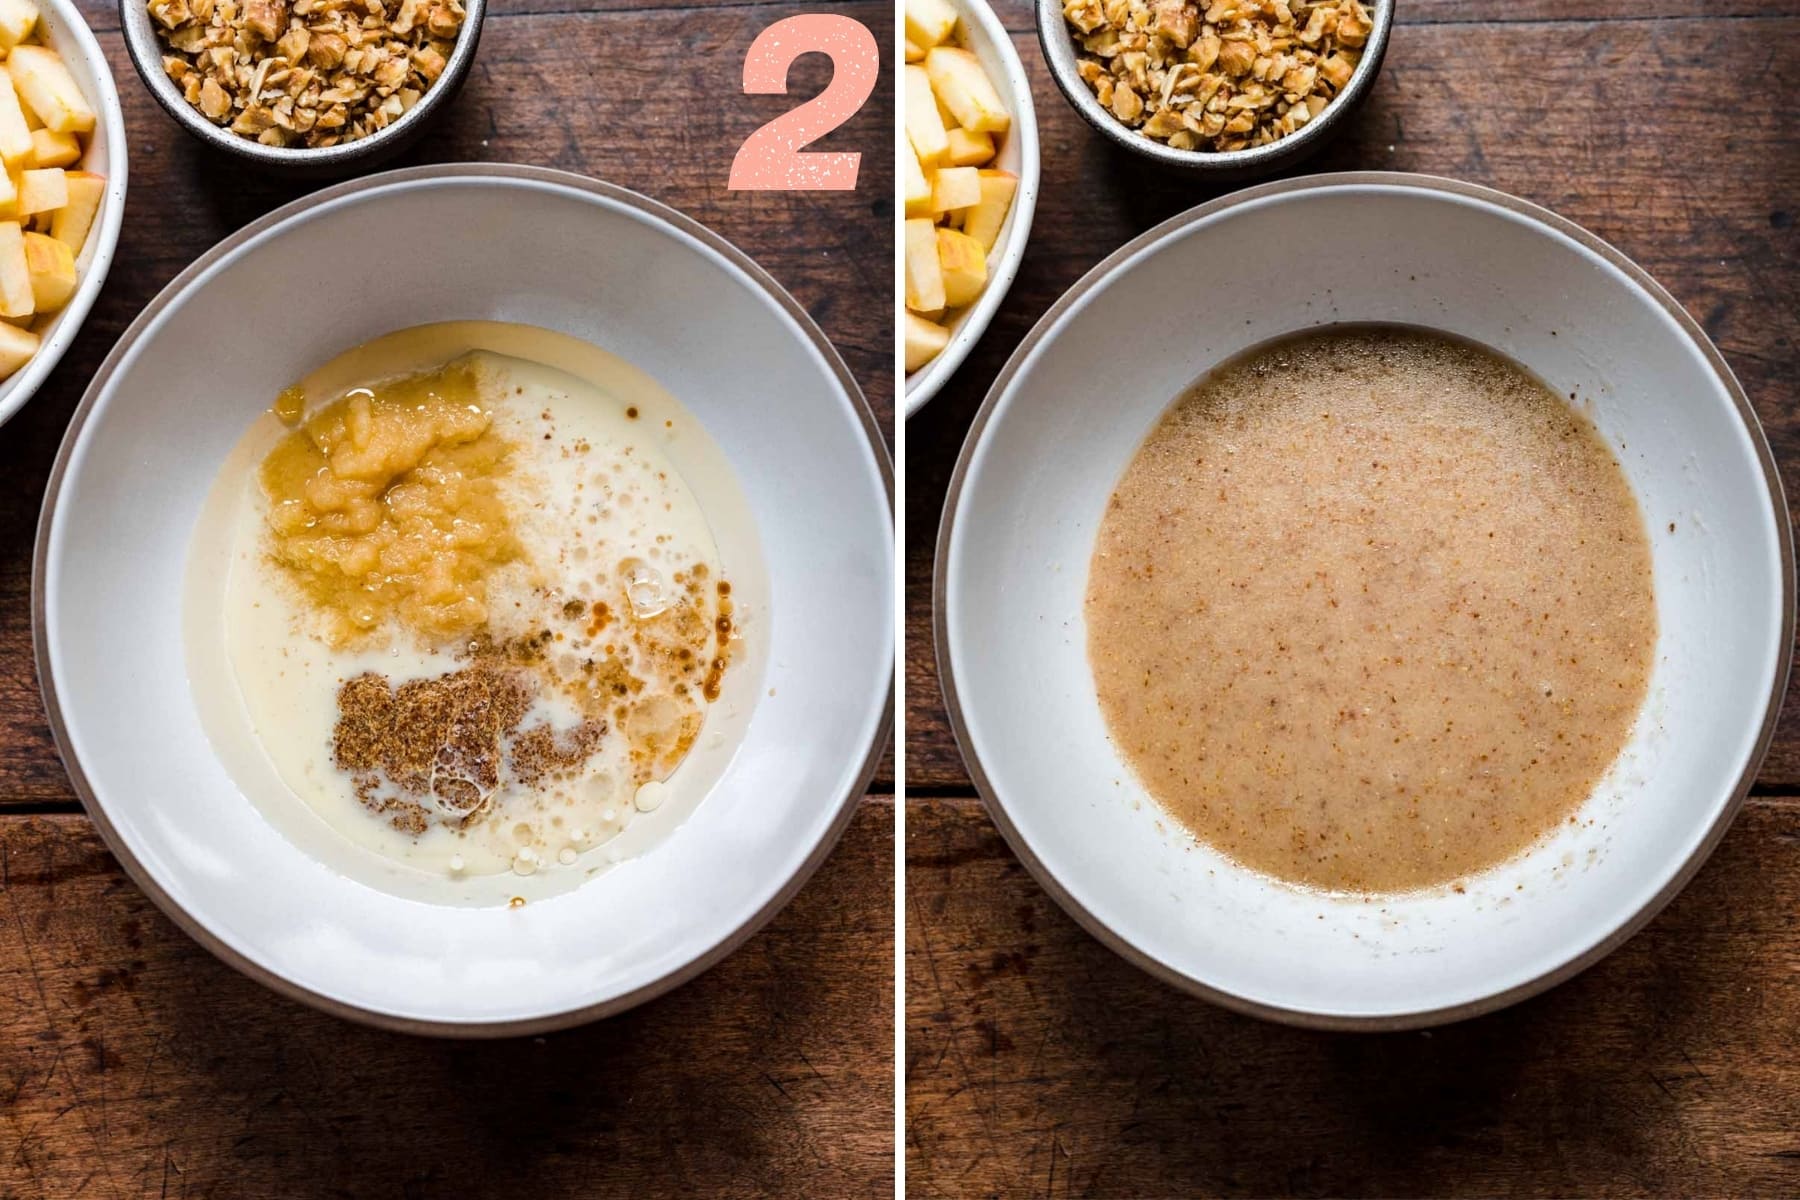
{"type": "Point", "coordinates": [770, 159]}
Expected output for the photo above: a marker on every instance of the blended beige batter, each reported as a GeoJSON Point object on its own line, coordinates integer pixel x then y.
{"type": "Point", "coordinates": [1371, 610]}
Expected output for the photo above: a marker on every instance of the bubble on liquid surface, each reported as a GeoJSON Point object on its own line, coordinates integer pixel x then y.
{"type": "Point", "coordinates": [650, 796]}
{"type": "Point", "coordinates": [644, 588]}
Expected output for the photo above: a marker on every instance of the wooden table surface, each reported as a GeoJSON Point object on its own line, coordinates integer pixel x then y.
{"type": "Point", "coordinates": [1039, 1063]}
{"type": "Point", "coordinates": [134, 1064]}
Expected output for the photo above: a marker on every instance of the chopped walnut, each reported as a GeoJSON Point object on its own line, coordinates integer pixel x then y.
{"type": "Point", "coordinates": [170, 13]}
{"type": "Point", "coordinates": [306, 73]}
{"type": "Point", "coordinates": [1216, 75]}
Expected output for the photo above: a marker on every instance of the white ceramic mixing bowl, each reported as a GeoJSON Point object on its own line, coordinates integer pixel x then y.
{"type": "Point", "coordinates": [1069, 411]}
{"type": "Point", "coordinates": [291, 292]}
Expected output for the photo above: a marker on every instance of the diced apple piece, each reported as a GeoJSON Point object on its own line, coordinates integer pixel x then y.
{"type": "Point", "coordinates": [925, 340]}
{"type": "Point", "coordinates": [963, 264]}
{"type": "Point", "coordinates": [52, 267]}
{"type": "Point", "coordinates": [947, 117]}
{"type": "Point", "coordinates": [914, 53]}
{"type": "Point", "coordinates": [17, 19]}
{"type": "Point", "coordinates": [15, 134]}
{"type": "Point", "coordinates": [924, 279]}
{"type": "Point", "coordinates": [46, 85]}
{"type": "Point", "coordinates": [16, 299]}
{"type": "Point", "coordinates": [929, 22]}
{"type": "Point", "coordinates": [9, 197]}
{"type": "Point", "coordinates": [924, 127]}
{"type": "Point", "coordinates": [955, 187]}
{"type": "Point", "coordinates": [983, 221]}
{"type": "Point", "coordinates": [47, 190]}
{"type": "Point", "coordinates": [966, 149]}
{"type": "Point", "coordinates": [71, 223]}
{"type": "Point", "coordinates": [957, 78]}
{"type": "Point", "coordinates": [16, 348]}
{"type": "Point", "coordinates": [917, 187]}
{"type": "Point", "coordinates": [50, 149]}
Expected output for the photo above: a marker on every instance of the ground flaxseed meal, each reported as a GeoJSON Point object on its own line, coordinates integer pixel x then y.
{"type": "Point", "coordinates": [442, 746]}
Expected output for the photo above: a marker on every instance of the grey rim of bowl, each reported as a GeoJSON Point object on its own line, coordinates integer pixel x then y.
{"type": "Point", "coordinates": [1058, 43]}
{"type": "Point", "coordinates": [847, 806]}
{"type": "Point", "coordinates": [145, 49]}
{"type": "Point", "coordinates": [1608, 942]}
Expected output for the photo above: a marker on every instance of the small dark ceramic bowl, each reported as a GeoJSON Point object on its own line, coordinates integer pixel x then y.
{"type": "Point", "coordinates": [343, 159]}
{"type": "Point", "coordinates": [1058, 42]}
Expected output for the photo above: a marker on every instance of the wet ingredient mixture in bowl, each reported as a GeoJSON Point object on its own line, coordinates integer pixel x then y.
{"type": "Point", "coordinates": [470, 611]}
{"type": "Point", "coordinates": [1371, 610]}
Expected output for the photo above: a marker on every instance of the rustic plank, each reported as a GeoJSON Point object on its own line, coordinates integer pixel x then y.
{"type": "Point", "coordinates": [1039, 1062]}
{"type": "Point", "coordinates": [772, 1074]}
{"type": "Point", "coordinates": [1021, 15]}
{"type": "Point", "coordinates": [1616, 124]}
{"type": "Point", "coordinates": [132, 1063]}
{"type": "Point", "coordinates": [1572, 12]}
{"type": "Point", "coordinates": [104, 16]}
{"type": "Point", "coordinates": [662, 117]}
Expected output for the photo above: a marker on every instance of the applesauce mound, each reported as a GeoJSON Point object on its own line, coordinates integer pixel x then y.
{"type": "Point", "coordinates": [385, 505]}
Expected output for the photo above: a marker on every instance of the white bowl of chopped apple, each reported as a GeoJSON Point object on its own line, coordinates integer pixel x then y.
{"type": "Point", "coordinates": [62, 189]}
{"type": "Point", "coordinates": [968, 180]}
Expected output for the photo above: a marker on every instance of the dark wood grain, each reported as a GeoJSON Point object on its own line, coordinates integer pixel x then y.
{"type": "Point", "coordinates": [1038, 1063]}
{"type": "Point", "coordinates": [1616, 124]}
{"type": "Point", "coordinates": [133, 1063]}
{"type": "Point", "coordinates": [101, 15]}
{"type": "Point", "coordinates": [646, 99]}
{"type": "Point", "coordinates": [1020, 14]}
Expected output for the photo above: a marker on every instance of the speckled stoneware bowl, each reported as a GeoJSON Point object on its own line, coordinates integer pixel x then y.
{"type": "Point", "coordinates": [1058, 43]}
{"type": "Point", "coordinates": [1070, 410]}
{"type": "Point", "coordinates": [300, 163]}
{"type": "Point", "coordinates": [613, 269]}
{"type": "Point", "coordinates": [988, 41]}
{"type": "Point", "coordinates": [70, 37]}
